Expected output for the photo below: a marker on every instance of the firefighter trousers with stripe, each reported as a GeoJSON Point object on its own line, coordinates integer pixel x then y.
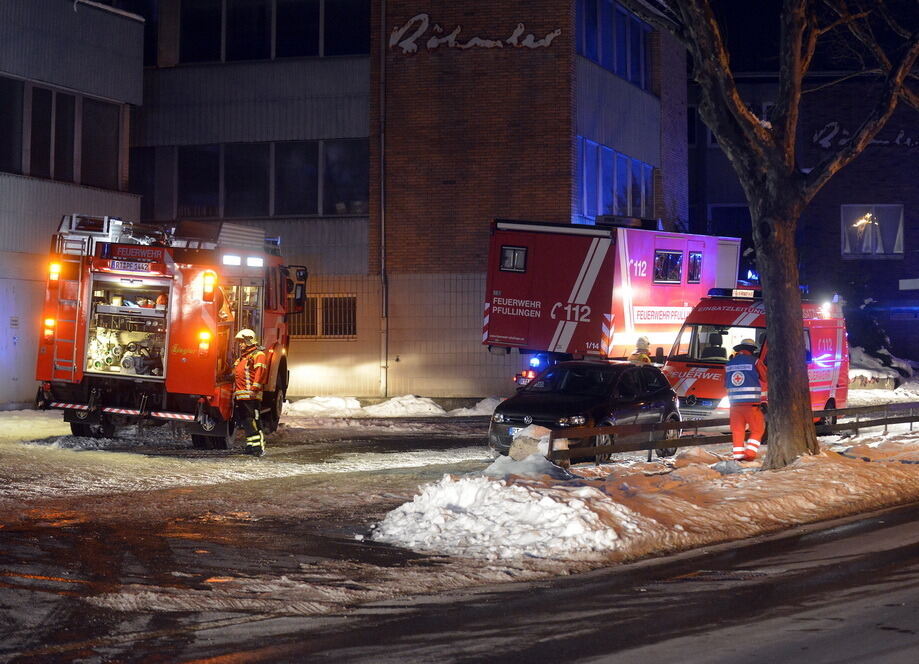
{"type": "Point", "coordinates": [247, 414]}
{"type": "Point", "coordinates": [745, 415]}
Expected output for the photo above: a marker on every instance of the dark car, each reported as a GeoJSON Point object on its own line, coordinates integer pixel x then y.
{"type": "Point", "coordinates": [588, 393]}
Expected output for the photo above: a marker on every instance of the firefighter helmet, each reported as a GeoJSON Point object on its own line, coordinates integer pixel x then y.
{"type": "Point", "coordinates": [246, 335]}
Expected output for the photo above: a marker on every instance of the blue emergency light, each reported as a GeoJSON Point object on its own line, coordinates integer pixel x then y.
{"type": "Point", "coordinates": [535, 361]}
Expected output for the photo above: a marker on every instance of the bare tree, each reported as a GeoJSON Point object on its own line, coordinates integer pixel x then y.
{"type": "Point", "coordinates": [763, 155]}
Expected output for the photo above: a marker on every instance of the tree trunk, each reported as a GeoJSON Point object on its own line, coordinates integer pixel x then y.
{"type": "Point", "coordinates": [791, 429]}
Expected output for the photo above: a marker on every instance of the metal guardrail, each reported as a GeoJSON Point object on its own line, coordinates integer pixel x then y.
{"type": "Point", "coordinates": [826, 421]}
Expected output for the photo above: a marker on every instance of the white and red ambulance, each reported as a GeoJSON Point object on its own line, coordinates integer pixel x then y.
{"type": "Point", "coordinates": [695, 366]}
{"type": "Point", "coordinates": [562, 291]}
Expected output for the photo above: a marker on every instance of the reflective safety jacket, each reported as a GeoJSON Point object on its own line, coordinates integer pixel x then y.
{"type": "Point", "coordinates": [744, 379]}
{"type": "Point", "coordinates": [250, 371]}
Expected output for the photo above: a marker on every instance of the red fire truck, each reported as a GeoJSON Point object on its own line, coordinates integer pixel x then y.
{"type": "Point", "coordinates": [695, 366]}
{"type": "Point", "coordinates": [139, 323]}
{"type": "Point", "coordinates": [561, 291]}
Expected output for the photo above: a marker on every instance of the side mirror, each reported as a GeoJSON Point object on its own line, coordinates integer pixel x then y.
{"type": "Point", "coordinates": [295, 277]}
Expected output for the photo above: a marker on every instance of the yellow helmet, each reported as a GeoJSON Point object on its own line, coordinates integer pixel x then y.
{"type": "Point", "coordinates": [246, 335]}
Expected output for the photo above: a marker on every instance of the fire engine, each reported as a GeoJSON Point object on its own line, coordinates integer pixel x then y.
{"type": "Point", "coordinates": [695, 366]}
{"type": "Point", "coordinates": [564, 291]}
{"type": "Point", "coordinates": [139, 323]}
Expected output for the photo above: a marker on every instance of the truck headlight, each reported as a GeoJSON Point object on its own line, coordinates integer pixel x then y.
{"type": "Point", "coordinates": [724, 403]}
{"type": "Point", "coordinates": [573, 421]}
{"type": "Point", "coordinates": [500, 418]}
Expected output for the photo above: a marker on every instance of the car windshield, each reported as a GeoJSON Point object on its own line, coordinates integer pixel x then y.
{"type": "Point", "coordinates": [581, 379]}
{"type": "Point", "coordinates": [712, 343]}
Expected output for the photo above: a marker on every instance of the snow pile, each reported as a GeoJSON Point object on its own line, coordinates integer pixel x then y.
{"type": "Point", "coordinates": [528, 509]}
{"type": "Point", "coordinates": [863, 365]}
{"type": "Point", "coordinates": [403, 406]}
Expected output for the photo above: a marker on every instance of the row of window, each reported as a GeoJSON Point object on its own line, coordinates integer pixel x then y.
{"type": "Point", "coordinates": [328, 177]}
{"type": "Point", "coordinates": [668, 264]}
{"type": "Point", "coordinates": [609, 182]}
{"type": "Point", "coordinates": [62, 136]}
{"type": "Point", "coordinates": [615, 39]}
{"type": "Point", "coordinates": [227, 30]}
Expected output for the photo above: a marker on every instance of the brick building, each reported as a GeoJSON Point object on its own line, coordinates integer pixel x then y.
{"type": "Point", "coordinates": [379, 147]}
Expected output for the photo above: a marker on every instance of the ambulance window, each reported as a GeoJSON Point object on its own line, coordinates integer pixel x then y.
{"type": "Point", "coordinates": [694, 275]}
{"type": "Point", "coordinates": [668, 266]}
{"type": "Point", "coordinates": [807, 345]}
{"type": "Point", "coordinates": [513, 259]}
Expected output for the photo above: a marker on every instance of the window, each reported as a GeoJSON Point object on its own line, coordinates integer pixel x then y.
{"type": "Point", "coordinates": [622, 184]}
{"type": "Point", "coordinates": [248, 30]}
{"type": "Point", "coordinates": [637, 199]}
{"type": "Point", "coordinates": [668, 266]}
{"type": "Point", "coordinates": [654, 380]}
{"type": "Point", "coordinates": [346, 177]}
{"type": "Point", "coordinates": [246, 179]}
{"type": "Point", "coordinates": [326, 316]}
{"type": "Point", "coordinates": [629, 386]}
{"type": "Point", "coordinates": [10, 125]}
{"type": "Point", "coordinates": [691, 120]}
{"type": "Point", "coordinates": [694, 274]}
{"type": "Point", "coordinates": [647, 189]}
{"type": "Point", "coordinates": [611, 183]}
{"type": "Point", "coordinates": [233, 30]}
{"type": "Point", "coordinates": [143, 181]}
{"type": "Point", "coordinates": [100, 144]}
{"type": "Point", "coordinates": [64, 134]}
{"type": "Point", "coordinates": [607, 181]}
{"type": "Point", "coordinates": [872, 231]}
{"type": "Point", "coordinates": [297, 28]}
{"type": "Point", "coordinates": [200, 28]}
{"type": "Point", "coordinates": [296, 173]}
{"type": "Point", "coordinates": [199, 181]}
{"type": "Point", "coordinates": [40, 162]}
{"type": "Point", "coordinates": [513, 259]}
{"type": "Point", "coordinates": [591, 155]}
{"type": "Point", "coordinates": [614, 38]}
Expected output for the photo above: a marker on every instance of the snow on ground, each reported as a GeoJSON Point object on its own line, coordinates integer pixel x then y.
{"type": "Point", "coordinates": [623, 511]}
{"type": "Point", "coordinates": [402, 406]}
{"type": "Point", "coordinates": [908, 391]}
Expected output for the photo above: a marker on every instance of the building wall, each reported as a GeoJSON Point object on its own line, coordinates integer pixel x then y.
{"type": "Point", "coordinates": [73, 45]}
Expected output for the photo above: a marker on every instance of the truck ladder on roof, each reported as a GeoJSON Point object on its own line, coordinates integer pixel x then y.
{"type": "Point", "coordinates": [71, 250]}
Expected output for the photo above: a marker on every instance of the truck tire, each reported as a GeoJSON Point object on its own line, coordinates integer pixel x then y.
{"type": "Point", "coordinates": [80, 429]}
{"type": "Point", "coordinates": [200, 442]}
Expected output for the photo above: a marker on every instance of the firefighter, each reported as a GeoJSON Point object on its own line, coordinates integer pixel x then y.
{"type": "Point", "coordinates": [641, 356]}
{"type": "Point", "coordinates": [745, 380]}
{"type": "Point", "coordinates": [250, 370]}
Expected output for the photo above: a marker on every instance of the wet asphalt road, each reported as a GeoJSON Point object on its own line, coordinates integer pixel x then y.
{"type": "Point", "coordinates": [270, 570]}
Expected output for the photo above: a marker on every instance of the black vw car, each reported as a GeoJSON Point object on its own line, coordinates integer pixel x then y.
{"type": "Point", "coordinates": [587, 393]}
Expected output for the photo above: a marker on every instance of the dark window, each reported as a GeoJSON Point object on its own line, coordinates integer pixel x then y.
{"type": "Point", "coordinates": [607, 52]}
{"type": "Point", "coordinates": [143, 180]}
{"type": "Point", "coordinates": [622, 184]}
{"type": "Point", "coordinates": [248, 30]}
{"type": "Point", "coordinates": [636, 188]}
{"type": "Point", "coordinates": [590, 29]}
{"type": "Point", "coordinates": [147, 9]}
{"type": "Point", "coordinates": [339, 316]}
{"type": "Point", "coordinates": [345, 176]}
{"type": "Point", "coordinates": [199, 181]}
{"type": "Point", "coordinates": [64, 114]}
{"type": "Point", "coordinates": [607, 181]}
{"type": "Point", "coordinates": [694, 274]}
{"type": "Point", "coordinates": [100, 144]}
{"type": "Point", "coordinates": [297, 28]}
{"type": "Point", "coordinates": [691, 125]}
{"type": "Point", "coordinates": [347, 27]}
{"type": "Point", "coordinates": [654, 380]}
{"type": "Point", "coordinates": [246, 179]}
{"type": "Point", "coordinates": [591, 156]}
{"type": "Point", "coordinates": [668, 266]}
{"type": "Point", "coordinates": [40, 161]}
{"type": "Point", "coordinates": [629, 386]}
{"type": "Point", "coordinates": [199, 39]}
{"type": "Point", "coordinates": [636, 52]}
{"type": "Point", "coordinates": [10, 125]}
{"type": "Point", "coordinates": [647, 187]}
{"type": "Point", "coordinates": [296, 177]}
{"type": "Point", "coordinates": [513, 259]}
{"type": "Point", "coordinates": [622, 43]}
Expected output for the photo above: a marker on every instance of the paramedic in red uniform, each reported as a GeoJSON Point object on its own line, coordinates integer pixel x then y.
{"type": "Point", "coordinates": [745, 380]}
{"type": "Point", "coordinates": [250, 371]}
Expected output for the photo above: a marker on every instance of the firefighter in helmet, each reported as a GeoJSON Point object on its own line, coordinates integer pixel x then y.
{"type": "Point", "coordinates": [642, 348]}
{"type": "Point", "coordinates": [250, 371]}
{"type": "Point", "coordinates": [745, 380]}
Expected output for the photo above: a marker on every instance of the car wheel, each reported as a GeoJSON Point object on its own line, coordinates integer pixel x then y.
{"type": "Point", "coordinates": [670, 433]}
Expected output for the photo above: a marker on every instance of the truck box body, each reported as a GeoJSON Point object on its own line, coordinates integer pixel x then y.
{"type": "Point", "coordinates": [593, 290]}
{"type": "Point", "coordinates": [695, 366]}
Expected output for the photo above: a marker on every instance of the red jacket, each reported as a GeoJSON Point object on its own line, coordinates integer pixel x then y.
{"type": "Point", "coordinates": [250, 371]}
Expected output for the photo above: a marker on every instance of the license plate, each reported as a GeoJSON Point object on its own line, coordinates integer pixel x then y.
{"type": "Point", "coordinates": [513, 431]}
{"type": "Point", "coordinates": [523, 381]}
{"type": "Point", "coordinates": [130, 266]}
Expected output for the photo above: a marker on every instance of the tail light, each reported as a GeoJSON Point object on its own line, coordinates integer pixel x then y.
{"type": "Point", "coordinates": [49, 329]}
{"type": "Point", "coordinates": [210, 283]}
{"type": "Point", "coordinates": [204, 342]}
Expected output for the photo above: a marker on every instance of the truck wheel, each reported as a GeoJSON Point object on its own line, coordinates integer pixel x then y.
{"type": "Point", "coordinates": [80, 429]}
{"type": "Point", "coordinates": [200, 442]}
{"type": "Point", "coordinates": [105, 429]}
{"type": "Point", "coordinates": [275, 403]}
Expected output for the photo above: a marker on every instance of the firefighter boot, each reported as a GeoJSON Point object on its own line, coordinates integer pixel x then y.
{"type": "Point", "coordinates": [255, 444]}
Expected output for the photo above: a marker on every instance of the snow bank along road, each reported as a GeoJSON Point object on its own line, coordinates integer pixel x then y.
{"type": "Point", "coordinates": [126, 554]}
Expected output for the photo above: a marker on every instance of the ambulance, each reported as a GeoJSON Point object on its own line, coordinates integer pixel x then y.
{"type": "Point", "coordinates": [139, 322]}
{"type": "Point", "coordinates": [570, 291]}
{"type": "Point", "coordinates": [696, 364]}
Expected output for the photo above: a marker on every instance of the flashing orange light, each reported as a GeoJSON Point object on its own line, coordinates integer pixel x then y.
{"type": "Point", "coordinates": [204, 342]}
{"type": "Point", "coordinates": [49, 328]}
{"type": "Point", "coordinates": [54, 271]}
{"type": "Point", "coordinates": [210, 282]}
